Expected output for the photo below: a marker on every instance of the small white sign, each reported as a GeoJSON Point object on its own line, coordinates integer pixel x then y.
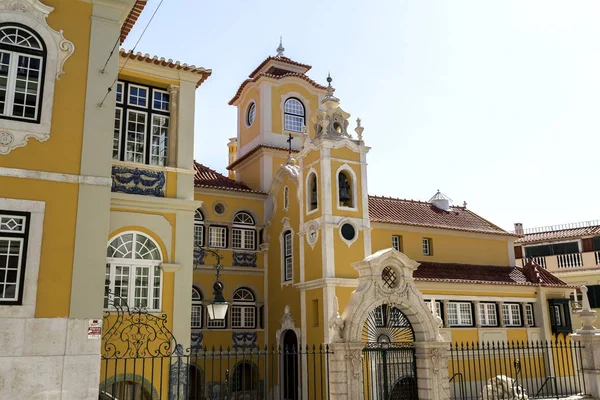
{"type": "Point", "coordinates": [95, 329]}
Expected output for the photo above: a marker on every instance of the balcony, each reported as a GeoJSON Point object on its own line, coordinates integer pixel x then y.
{"type": "Point", "coordinates": [564, 262]}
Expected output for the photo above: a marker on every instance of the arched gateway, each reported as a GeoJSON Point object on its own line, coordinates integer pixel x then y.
{"type": "Point", "coordinates": [386, 342]}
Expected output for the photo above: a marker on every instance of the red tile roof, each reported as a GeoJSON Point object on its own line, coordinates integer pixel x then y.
{"type": "Point", "coordinates": [419, 213]}
{"type": "Point", "coordinates": [204, 73]}
{"type": "Point", "coordinates": [254, 150]}
{"type": "Point", "coordinates": [537, 274]}
{"type": "Point", "coordinates": [131, 19]}
{"type": "Point", "coordinates": [211, 179]}
{"type": "Point", "coordinates": [277, 76]}
{"type": "Point", "coordinates": [282, 59]}
{"type": "Point", "coordinates": [560, 234]}
{"type": "Point", "coordinates": [484, 274]}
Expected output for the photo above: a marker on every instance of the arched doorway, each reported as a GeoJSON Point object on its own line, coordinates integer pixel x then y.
{"type": "Point", "coordinates": [244, 381]}
{"type": "Point", "coordinates": [389, 355]}
{"type": "Point", "coordinates": [195, 390]}
{"type": "Point", "coordinates": [290, 365]}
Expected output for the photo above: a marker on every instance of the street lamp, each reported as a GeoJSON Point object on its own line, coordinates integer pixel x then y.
{"type": "Point", "coordinates": [217, 308]}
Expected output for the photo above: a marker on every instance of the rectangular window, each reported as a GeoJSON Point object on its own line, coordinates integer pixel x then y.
{"type": "Point", "coordinates": [136, 136]}
{"type": "Point", "coordinates": [459, 314]}
{"type": "Point", "coordinates": [159, 140]}
{"type": "Point", "coordinates": [198, 235]}
{"type": "Point", "coordinates": [216, 236]}
{"type": "Point", "coordinates": [426, 247]}
{"type": "Point", "coordinates": [438, 307]}
{"type": "Point", "coordinates": [487, 314]}
{"type": "Point", "coordinates": [119, 93]}
{"type": "Point", "coordinates": [243, 239]}
{"type": "Point", "coordinates": [511, 314]}
{"type": "Point", "coordinates": [20, 77]}
{"type": "Point", "coordinates": [138, 96]}
{"type": "Point", "coordinates": [117, 133]}
{"type": "Point", "coordinates": [529, 314]}
{"type": "Point", "coordinates": [196, 316]}
{"type": "Point", "coordinates": [216, 323]}
{"type": "Point", "coordinates": [160, 100]}
{"type": "Point", "coordinates": [243, 317]}
{"type": "Point", "coordinates": [558, 315]}
{"type": "Point", "coordinates": [293, 123]}
{"type": "Point", "coordinates": [287, 256]}
{"type": "Point", "coordinates": [396, 242]}
{"type": "Point", "coordinates": [13, 249]}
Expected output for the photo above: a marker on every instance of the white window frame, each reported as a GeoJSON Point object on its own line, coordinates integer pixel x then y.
{"type": "Point", "coordinates": [11, 85]}
{"type": "Point", "coordinates": [161, 148]}
{"type": "Point", "coordinates": [121, 85]}
{"type": "Point", "coordinates": [309, 192]}
{"type": "Point", "coordinates": [288, 267]}
{"type": "Point", "coordinates": [199, 227]}
{"type": "Point", "coordinates": [287, 128]}
{"type": "Point", "coordinates": [529, 316]}
{"type": "Point", "coordinates": [198, 306]}
{"type": "Point", "coordinates": [118, 110]}
{"type": "Point", "coordinates": [146, 88]}
{"type": "Point", "coordinates": [426, 246]}
{"type": "Point", "coordinates": [461, 318]}
{"type": "Point", "coordinates": [559, 317]}
{"type": "Point", "coordinates": [248, 121]}
{"type": "Point", "coordinates": [396, 242]}
{"type": "Point", "coordinates": [144, 161]}
{"type": "Point", "coordinates": [211, 242]}
{"type": "Point", "coordinates": [511, 314]}
{"type": "Point", "coordinates": [438, 307]}
{"type": "Point", "coordinates": [132, 263]}
{"type": "Point", "coordinates": [154, 90]}
{"type": "Point", "coordinates": [246, 231]}
{"type": "Point", "coordinates": [216, 323]}
{"type": "Point", "coordinates": [244, 307]}
{"type": "Point", "coordinates": [20, 236]}
{"type": "Point", "coordinates": [488, 314]}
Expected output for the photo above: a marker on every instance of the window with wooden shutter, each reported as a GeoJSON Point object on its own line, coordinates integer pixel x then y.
{"type": "Point", "coordinates": [518, 252]}
{"type": "Point", "coordinates": [587, 244]}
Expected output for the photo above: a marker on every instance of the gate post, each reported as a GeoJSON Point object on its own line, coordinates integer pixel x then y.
{"type": "Point", "coordinates": [346, 371]}
{"type": "Point", "coordinates": [588, 337]}
{"type": "Point", "coordinates": [432, 370]}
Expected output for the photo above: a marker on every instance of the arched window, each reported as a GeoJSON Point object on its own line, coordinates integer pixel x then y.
{"type": "Point", "coordinates": [345, 190]}
{"type": "Point", "coordinates": [286, 198]}
{"type": "Point", "coordinates": [251, 114]}
{"type": "Point", "coordinates": [243, 233]}
{"type": "Point", "coordinates": [133, 275]}
{"type": "Point", "coordinates": [312, 192]}
{"type": "Point", "coordinates": [22, 60]}
{"type": "Point", "coordinates": [293, 115]}
{"type": "Point", "coordinates": [287, 256]}
{"type": "Point", "coordinates": [243, 309]}
{"type": "Point", "coordinates": [196, 308]}
{"type": "Point", "coordinates": [245, 378]}
{"type": "Point", "coordinates": [198, 229]}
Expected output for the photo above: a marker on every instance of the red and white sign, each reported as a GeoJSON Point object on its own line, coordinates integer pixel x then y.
{"type": "Point", "coordinates": [95, 329]}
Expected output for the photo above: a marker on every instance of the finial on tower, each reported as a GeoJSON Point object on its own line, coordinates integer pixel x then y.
{"type": "Point", "coordinates": [280, 48]}
{"type": "Point", "coordinates": [330, 90]}
{"type": "Point", "coordinates": [359, 129]}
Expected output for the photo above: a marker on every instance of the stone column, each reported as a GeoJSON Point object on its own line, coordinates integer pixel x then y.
{"type": "Point", "coordinates": [432, 370]}
{"type": "Point", "coordinates": [445, 312]}
{"type": "Point", "coordinates": [589, 338]}
{"type": "Point", "coordinates": [173, 124]}
{"type": "Point", "coordinates": [346, 371]}
{"type": "Point", "coordinates": [477, 315]}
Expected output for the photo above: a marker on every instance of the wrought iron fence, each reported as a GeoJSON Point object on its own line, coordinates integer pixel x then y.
{"type": "Point", "coordinates": [489, 370]}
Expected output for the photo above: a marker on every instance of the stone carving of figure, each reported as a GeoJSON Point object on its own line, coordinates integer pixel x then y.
{"type": "Point", "coordinates": [345, 199]}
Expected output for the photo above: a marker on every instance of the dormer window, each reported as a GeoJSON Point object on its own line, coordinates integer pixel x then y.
{"type": "Point", "coordinates": [293, 115]}
{"type": "Point", "coordinates": [22, 59]}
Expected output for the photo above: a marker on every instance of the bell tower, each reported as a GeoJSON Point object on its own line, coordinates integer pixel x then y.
{"type": "Point", "coordinates": [277, 98]}
{"type": "Point", "coordinates": [335, 213]}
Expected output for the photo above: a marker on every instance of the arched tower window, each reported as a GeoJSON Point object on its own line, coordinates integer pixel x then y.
{"type": "Point", "coordinates": [293, 115]}
{"type": "Point", "coordinates": [243, 233]}
{"type": "Point", "coordinates": [345, 189]}
{"type": "Point", "coordinates": [133, 275]}
{"type": "Point", "coordinates": [313, 192]}
{"type": "Point", "coordinates": [22, 60]}
{"type": "Point", "coordinates": [243, 309]}
{"type": "Point", "coordinates": [196, 308]}
{"type": "Point", "coordinates": [198, 229]}
{"type": "Point", "coordinates": [288, 256]}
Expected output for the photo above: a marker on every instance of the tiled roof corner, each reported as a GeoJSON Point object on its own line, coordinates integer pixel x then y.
{"type": "Point", "coordinates": [278, 76]}
{"type": "Point", "coordinates": [282, 59]}
{"type": "Point", "coordinates": [536, 274]}
{"type": "Point", "coordinates": [210, 179]}
{"type": "Point", "coordinates": [420, 213]}
{"type": "Point", "coordinates": [559, 234]}
{"type": "Point", "coordinates": [131, 19]}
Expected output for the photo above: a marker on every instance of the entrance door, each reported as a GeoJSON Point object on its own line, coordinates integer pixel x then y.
{"type": "Point", "coordinates": [290, 365]}
{"type": "Point", "coordinates": [389, 355]}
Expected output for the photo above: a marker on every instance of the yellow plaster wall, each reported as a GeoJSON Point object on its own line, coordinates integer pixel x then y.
{"type": "Point", "coordinates": [313, 259]}
{"type": "Point", "coordinates": [343, 294]}
{"type": "Point", "coordinates": [247, 134]}
{"type": "Point", "coordinates": [250, 174]}
{"type": "Point", "coordinates": [314, 322]}
{"type": "Point", "coordinates": [310, 158]}
{"type": "Point", "coordinates": [171, 190]}
{"type": "Point", "coordinates": [346, 154]}
{"type": "Point", "coordinates": [62, 152]}
{"type": "Point", "coordinates": [345, 256]}
{"type": "Point", "coordinates": [446, 248]}
{"type": "Point", "coordinates": [144, 79]}
{"type": "Point", "coordinates": [277, 105]}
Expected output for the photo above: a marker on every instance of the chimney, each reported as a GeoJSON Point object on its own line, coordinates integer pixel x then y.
{"type": "Point", "coordinates": [518, 228]}
{"type": "Point", "coordinates": [232, 148]}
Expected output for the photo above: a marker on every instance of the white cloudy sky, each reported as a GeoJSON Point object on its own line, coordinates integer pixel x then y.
{"type": "Point", "coordinates": [493, 102]}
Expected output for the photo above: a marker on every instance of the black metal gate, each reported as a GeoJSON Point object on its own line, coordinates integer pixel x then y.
{"type": "Point", "coordinates": [389, 367]}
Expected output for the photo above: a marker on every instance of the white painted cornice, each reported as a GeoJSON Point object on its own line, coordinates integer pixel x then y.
{"type": "Point", "coordinates": [55, 176]}
{"type": "Point", "coordinates": [153, 167]}
{"type": "Point", "coordinates": [229, 193]}
{"type": "Point", "coordinates": [210, 270]}
{"type": "Point", "coordinates": [150, 203]}
{"type": "Point", "coordinates": [327, 282]}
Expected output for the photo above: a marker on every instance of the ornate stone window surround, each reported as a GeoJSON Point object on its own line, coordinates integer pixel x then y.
{"type": "Point", "coordinates": [32, 14]}
{"type": "Point", "coordinates": [356, 228]}
{"type": "Point", "coordinates": [346, 168]}
{"type": "Point", "coordinates": [312, 171]}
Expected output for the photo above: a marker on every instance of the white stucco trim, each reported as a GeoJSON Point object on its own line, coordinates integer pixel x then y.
{"type": "Point", "coordinates": [140, 202]}
{"type": "Point", "coordinates": [356, 229]}
{"type": "Point", "coordinates": [34, 248]}
{"type": "Point", "coordinates": [346, 168]}
{"type": "Point", "coordinates": [266, 120]}
{"type": "Point", "coordinates": [326, 282]}
{"type": "Point", "coordinates": [308, 195]}
{"type": "Point", "coordinates": [153, 167]}
{"type": "Point", "coordinates": [33, 14]}
{"type": "Point", "coordinates": [54, 176]}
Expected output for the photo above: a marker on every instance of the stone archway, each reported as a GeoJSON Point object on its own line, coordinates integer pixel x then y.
{"type": "Point", "coordinates": [386, 278]}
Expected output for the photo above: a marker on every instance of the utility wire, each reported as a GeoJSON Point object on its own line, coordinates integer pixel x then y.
{"type": "Point", "coordinates": [132, 50]}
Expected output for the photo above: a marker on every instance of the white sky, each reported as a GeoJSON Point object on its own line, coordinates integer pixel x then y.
{"type": "Point", "coordinates": [493, 102]}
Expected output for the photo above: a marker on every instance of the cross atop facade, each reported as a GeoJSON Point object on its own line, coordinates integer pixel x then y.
{"type": "Point", "coordinates": [290, 144]}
